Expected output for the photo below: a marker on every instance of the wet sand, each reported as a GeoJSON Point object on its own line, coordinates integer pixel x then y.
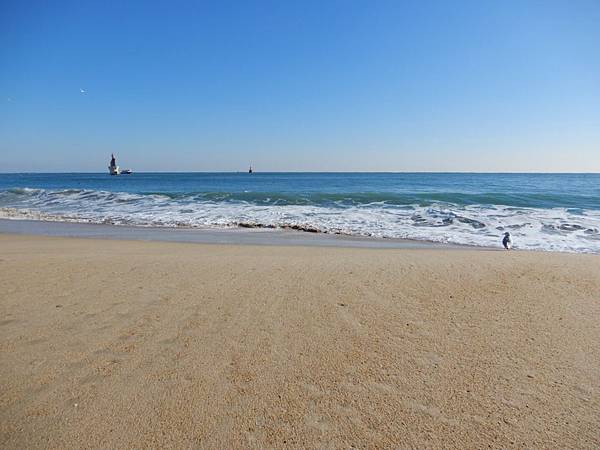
{"type": "Point", "coordinates": [238, 235]}
{"type": "Point", "coordinates": [128, 344]}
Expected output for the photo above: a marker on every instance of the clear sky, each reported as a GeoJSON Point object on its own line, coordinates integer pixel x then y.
{"type": "Point", "coordinates": [300, 85]}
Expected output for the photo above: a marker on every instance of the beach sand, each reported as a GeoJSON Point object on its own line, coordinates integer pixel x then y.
{"type": "Point", "coordinates": [123, 344]}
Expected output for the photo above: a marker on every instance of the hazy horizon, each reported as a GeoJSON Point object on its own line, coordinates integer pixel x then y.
{"type": "Point", "coordinates": [319, 87]}
{"type": "Point", "coordinates": [310, 171]}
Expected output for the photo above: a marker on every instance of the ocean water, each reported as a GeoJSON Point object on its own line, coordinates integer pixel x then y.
{"type": "Point", "coordinates": [559, 212]}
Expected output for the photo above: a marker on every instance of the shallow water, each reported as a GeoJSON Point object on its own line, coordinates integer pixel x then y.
{"type": "Point", "coordinates": [542, 211]}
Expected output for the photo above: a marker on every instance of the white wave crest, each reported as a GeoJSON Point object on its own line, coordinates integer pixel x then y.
{"type": "Point", "coordinates": [555, 229]}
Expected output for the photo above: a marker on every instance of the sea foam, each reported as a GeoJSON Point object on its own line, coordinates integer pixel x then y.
{"type": "Point", "coordinates": [363, 214]}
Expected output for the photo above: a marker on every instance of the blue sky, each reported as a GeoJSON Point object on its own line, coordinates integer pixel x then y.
{"type": "Point", "coordinates": [295, 86]}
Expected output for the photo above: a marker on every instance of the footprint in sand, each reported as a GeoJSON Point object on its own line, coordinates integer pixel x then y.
{"type": "Point", "coordinates": [314, 420]}
{"type": "Point", "coordinates": [431, 411]}
{"type": "Point", "coordinates": [6, 322]}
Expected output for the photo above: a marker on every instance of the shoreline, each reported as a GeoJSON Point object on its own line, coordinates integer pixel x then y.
{"type": "Point", "coordinates": [464, 210]}
{"type": "Point", "coordinates": [228, 236]}
{"type": "Point", "coordinates": [240, 235]}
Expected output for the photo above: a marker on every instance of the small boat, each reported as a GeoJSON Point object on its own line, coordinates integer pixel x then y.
{"type": "Point", "coordinates": [250, 169]}
{"type": "Point", "coordinates": [113, 169]}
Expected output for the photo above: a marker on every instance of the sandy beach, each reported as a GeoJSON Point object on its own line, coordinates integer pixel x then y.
{"type": "Point", "coordinates": [125, 344]}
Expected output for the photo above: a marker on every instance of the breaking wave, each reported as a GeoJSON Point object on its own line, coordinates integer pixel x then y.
{"type": "Point", "coordinates": [471, 219]}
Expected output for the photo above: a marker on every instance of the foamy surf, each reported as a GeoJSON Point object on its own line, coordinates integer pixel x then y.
{"type": "Point", "coordinates": [358, 214]}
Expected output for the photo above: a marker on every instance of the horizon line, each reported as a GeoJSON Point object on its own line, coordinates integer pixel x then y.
{"type": "Point", "coordinates": [311, 171]}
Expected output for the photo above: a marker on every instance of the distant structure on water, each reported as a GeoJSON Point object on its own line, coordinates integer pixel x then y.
{"type": "Point", "coordinates": [113, 169]}
{"type": "Point", "coordinates": [250, 169]}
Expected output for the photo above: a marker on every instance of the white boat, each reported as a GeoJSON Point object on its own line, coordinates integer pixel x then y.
{"type": "Point", "coordinates": [113, 169]}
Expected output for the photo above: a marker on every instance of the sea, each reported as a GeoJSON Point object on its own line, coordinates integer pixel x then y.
{"type": "Point", "coordinates": [547, 212]}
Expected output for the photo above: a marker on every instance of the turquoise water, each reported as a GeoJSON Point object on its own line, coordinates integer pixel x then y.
{"type": "Point", "coordinates": [541, 211]}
